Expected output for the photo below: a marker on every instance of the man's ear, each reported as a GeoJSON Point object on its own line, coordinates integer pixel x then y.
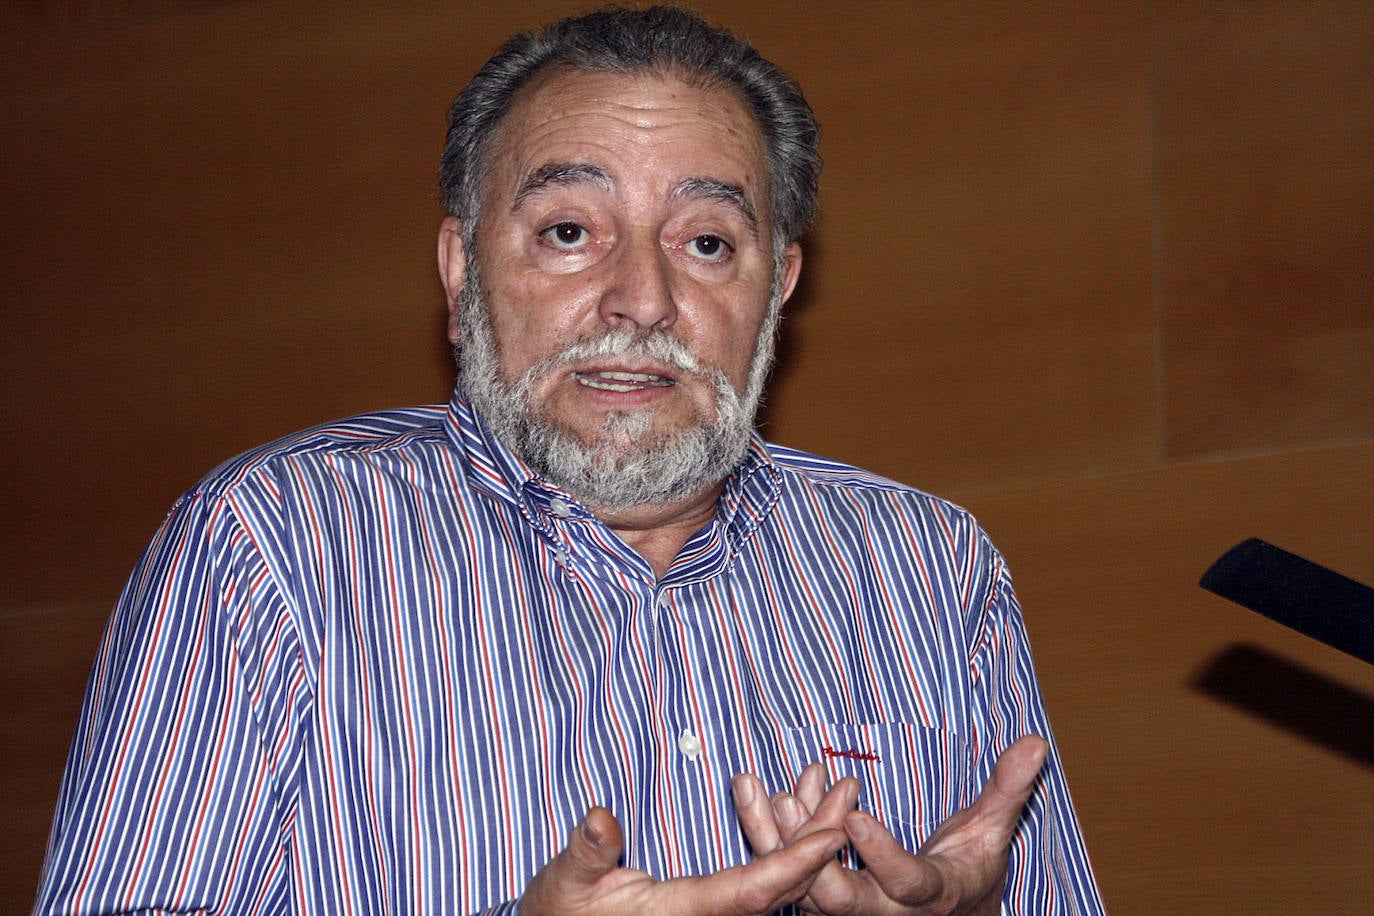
{"type": "Point", "coordinates": [452, 268]}
{"type": "Point", "coordinates": [791, 269]}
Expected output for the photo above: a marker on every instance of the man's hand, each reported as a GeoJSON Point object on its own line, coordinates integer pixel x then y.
{"type": "Point", "coordinates": [961, 868]}
{"type": "Point", "coordinates": [586, 878]}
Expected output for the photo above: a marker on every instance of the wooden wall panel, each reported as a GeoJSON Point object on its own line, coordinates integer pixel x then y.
{"type": "Point", "coordinates": [1073, 258]}
{"type": "Point", "coordinates": [1265, 118]}
{"type": "Point", "coordinates": [980, 307]}
{"type": "Point", "coordinates": [1193, 802]}
{"type": "Point", "coordinates": [224, 232]}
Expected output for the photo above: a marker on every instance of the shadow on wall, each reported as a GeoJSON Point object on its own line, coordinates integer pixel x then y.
{"type": "Point", "coordinates": [1292, 697]}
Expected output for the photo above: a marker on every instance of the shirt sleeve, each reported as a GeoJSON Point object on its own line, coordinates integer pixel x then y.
{"type": "Point", "coordinates": [1049, 871]}
{"type": "Point", "coordinates": [177, 795]}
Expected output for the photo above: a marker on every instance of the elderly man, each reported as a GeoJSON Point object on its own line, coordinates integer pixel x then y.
{"type": "Point", "coordinates": [578, 642]}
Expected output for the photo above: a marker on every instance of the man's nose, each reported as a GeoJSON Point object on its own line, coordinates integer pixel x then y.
{"type": "Point", "coordinates": [639, 291]}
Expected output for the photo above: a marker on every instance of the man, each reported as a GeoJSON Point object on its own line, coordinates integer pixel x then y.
{"type": "Point", "coordinates": [577, 642]}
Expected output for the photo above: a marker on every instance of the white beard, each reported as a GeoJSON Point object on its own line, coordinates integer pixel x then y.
{"type": "Point", "coordinates": [627, 464]}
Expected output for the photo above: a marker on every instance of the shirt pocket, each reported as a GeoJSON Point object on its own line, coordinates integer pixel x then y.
{"type": "Point", "coordinates": [913, 777]}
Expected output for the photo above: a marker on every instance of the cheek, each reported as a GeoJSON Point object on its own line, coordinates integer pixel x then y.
{"type": "Point", "coordinates": [737, 338]}
{"type": "Point", "coordinates": [744, 358]}
{"type": "Point", "coordinates": [533, 317]}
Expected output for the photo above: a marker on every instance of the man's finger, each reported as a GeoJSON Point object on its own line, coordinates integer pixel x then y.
{"type": "Point", "coordinates": [755, 814]}
{"type": "Point", "coordinates": [832, 889]}
{"type": "Point", "coordinates": [892, 872]}
{"type": "Point", "coordinates": [811, 786]}
{"type": "Point", "coordinates": [771, 881]}
{"type": "Point", "coordinates": [795, 818]}
{"type": "Point", "coordinates": [965, 858]}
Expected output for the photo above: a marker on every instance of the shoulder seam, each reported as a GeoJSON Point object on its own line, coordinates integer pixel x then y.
{"type": "Point", "coordinates": [365, 432]}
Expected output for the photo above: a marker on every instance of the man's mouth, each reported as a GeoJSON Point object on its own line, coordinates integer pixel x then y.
{"type": "Point", "coordinates": [622, 381]}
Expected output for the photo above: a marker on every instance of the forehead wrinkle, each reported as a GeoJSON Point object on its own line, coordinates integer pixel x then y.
{"type": "Point", "coordinates": [724, 191]}
{"type": "Point", "coordinates": [561, 173]}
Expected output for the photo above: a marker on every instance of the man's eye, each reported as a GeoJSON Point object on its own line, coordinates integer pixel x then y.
{"type": "Point", "coordinates": [709, 247]}
{"type": "Point", "coordinates": [566, 235]}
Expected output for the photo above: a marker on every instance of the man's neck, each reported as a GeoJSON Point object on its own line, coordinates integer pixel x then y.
{"type": "Point", "coordinates": [657, 532]}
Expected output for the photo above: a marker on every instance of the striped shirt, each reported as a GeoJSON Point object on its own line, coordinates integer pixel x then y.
{"type": "Point", "coordinates": [380, 668]}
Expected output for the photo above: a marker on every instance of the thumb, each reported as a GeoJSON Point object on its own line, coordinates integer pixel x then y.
{"type": "Point", "coordinates": [568, 881]}
{"type": "Point", "coordinates": [1013, 780]}
{"type": "Point", "coordinates": [593, 851]}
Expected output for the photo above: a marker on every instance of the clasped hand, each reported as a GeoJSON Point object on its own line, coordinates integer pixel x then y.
{"type": "Point", "coordinates": [796, 836]}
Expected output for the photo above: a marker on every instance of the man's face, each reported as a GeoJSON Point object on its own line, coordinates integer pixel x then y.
{"type": "Point", "coordinates": [626, 266]}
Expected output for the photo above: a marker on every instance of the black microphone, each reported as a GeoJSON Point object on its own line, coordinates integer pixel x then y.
{"type": "Point", "coordinates": [1297, 593]}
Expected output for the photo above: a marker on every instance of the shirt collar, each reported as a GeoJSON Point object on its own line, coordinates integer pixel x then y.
{"type": "Point", "coordinates": [749, 495]}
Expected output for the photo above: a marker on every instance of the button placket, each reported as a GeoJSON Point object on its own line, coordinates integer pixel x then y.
{"type": "Point", "coordinates": [689, 744]}
{"type": "Point", "coordinates": [561, 509]}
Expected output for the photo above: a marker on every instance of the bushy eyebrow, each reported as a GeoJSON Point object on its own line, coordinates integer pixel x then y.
{"type": "Point", "coordinates": [572, 173]}
{"type": "Point", "coordinates": [561, 173]}
{"type": "Point", "coordinates": [711, 189]}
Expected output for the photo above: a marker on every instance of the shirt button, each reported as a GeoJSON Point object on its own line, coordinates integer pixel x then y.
{"type": "Point", "coordinates": [560, 507]}
{"type": "Point", "coordinates": [689, 744]}
{"type": "Point", "coordinates": [663, 600]}
{"type": "Point", "coordinates": [561, 556]}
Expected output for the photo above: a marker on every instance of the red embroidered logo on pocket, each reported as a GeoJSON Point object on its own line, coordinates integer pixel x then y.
{"type": "Point", "coordinates": [851, 754]}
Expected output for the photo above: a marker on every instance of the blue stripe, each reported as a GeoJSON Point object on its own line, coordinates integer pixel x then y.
{"type": "Point", "coordinates": [370, 669]}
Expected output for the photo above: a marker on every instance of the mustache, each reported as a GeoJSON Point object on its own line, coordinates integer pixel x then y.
{"type": "Point", "coordinates": [656, 346]}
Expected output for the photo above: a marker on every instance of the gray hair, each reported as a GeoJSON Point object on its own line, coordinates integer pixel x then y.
{"type": "Point", "coordinates": [659, 39]}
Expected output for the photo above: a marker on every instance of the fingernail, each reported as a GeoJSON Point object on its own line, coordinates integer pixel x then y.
{"type": "Point", "coordinates": [593, 835]}
{"type": "Point", "coordinates": [792, 813]}
{"type": "Point", "coordinates": [743, 789]}
{"type": "Point", "coordinates": [858, 828]}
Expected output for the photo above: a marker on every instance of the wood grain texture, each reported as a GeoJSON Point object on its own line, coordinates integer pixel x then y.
{"type": "Point", "coordinates": [980, 305]}
{"type": "Point", "coordinates": [1191, 804]}
{"type": "Point", "coordinates": [1266, 193]}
